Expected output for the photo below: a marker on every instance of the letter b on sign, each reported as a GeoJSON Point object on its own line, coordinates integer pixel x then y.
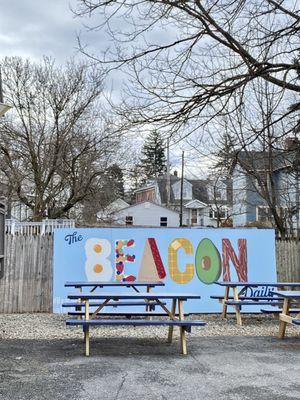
{"type": "Point", "coordinates": [208, 262]}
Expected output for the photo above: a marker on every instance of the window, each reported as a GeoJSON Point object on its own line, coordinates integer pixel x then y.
{"type": "Point", "coordinates": [128, 220]}
{"type": "Point", "coordinates": [163, 221]}
{"type": "Point", "coordinates": [194, 218]}
{"type": "Point", "coordinates": [263, 214]}
{"type": "Point", "coordinates": [187, 190]}
{"type": "Point", "coordinates": [221, 213]}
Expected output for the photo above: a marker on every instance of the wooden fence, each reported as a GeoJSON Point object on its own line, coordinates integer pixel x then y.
{"type": "Point", "coordinates": [288, 260]}
{"type": "Point", "coordinates": [27, 282]}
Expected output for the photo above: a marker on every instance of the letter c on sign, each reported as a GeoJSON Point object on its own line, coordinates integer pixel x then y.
{"type": "Point", "coordinates": [175, 274]}
{"type": "Point", "coordinates": [208, 262]}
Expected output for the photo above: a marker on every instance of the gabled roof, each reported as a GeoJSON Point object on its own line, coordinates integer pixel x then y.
{"type": "Point", "coordinates": [148, 185]}
{"type": "Point", "coordinates": [199, 188]}
{"type": "Point", "coordinates": [195, 204]}
{"type": "Point", "coordinates": [116, 205]}
{"type": "Point", "coordinates": [260, 160]}
{"type": "Point", "coordinates": [149, 202]}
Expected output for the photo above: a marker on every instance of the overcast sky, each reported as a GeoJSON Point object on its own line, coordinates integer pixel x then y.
{"type": "Point", "coordinates": [34, 28]}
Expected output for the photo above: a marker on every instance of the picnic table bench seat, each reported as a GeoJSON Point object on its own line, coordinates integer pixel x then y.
{"type": "Point", "coordinates": [253, 302]}
{"type": "Point", "coordinates": [254, 298]}
{"type": "Point", "coordinates": [274, 310]}
{"type": "Point", "coordinates": [150, 303]}
{"type": "Point", "coordinates": [185, 324]}
{"type": "Point", "coordinates": [126, 314]}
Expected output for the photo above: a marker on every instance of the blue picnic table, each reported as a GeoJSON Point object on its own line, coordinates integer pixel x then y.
{"type": "Point", "coordinates": [135, 285]}
{"type": "Point", "coordinates": [95, 318]}
{"type": "Point", "coordinates": [285, 318]}
{"type": "Point", "coordinates": [97, 284]}
{"type": "Point", "coordinates": [238, 299]}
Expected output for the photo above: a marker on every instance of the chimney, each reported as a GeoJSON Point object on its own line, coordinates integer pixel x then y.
{"type": "Point", "coordinates": [175, 173]}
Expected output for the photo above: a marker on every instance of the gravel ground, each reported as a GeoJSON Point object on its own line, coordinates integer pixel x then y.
{"type": "Point", "coordinates": [52, 326]}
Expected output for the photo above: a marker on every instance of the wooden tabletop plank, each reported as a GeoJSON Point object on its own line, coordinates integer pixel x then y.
{"type": "Point", "coordinates": [254, 284]}
{"type": "Point", "coordinates": [287, 294]}
{"type": "Point", "coordinates": [112, 284]}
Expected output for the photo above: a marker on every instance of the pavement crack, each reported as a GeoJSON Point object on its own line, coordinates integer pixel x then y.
{"type": "Point", "coordinates": [121, 385]}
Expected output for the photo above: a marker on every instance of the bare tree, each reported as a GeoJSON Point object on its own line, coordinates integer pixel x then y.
{"type": "Point", "coordinates": [267, 163]}
{"type": "Point", "coordinates": [188, 59]}
{"type": "Point", "coordinates": [57, 142]}
{"type": "Point", "coordinates": [219, 188]}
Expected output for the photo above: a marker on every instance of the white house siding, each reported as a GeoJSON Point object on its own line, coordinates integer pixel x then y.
{"type": "Point", "coordinates": [239, 206]}
{"type": "Point", "coordinates": [203, 217]}
{"type": "Point", "coordinates": [147, 214]}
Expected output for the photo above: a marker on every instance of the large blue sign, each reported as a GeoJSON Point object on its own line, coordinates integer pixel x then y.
{"type": "Point", "coordinates": [185, 259]}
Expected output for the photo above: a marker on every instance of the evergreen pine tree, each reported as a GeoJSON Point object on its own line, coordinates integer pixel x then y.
{"type": "Point", "coordinates": [115, 181]}
{"type": "Point", "coordinates": [153, 158]}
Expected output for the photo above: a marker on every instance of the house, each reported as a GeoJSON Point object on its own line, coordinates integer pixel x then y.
{"type": "Point", "coordinates": [106, 215]}
{"type": "Point", "coordinates": [280, 175]}
{"type": "Point", "coordinates": [199, 206]}
{"type": "Point", "coordinates": [145, 214]}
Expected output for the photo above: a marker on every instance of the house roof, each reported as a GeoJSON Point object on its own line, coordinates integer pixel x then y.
{"type": "Point", "coordinates": [195, 204]}
{"type": "Point", "coordinates": [260, 160]}
{"type": "Point", "coordinates": [149, 202]}
{"type": "Point", "coordinates": [199, 189]}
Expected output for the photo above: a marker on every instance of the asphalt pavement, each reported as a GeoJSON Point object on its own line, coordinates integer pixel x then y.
{"type": "Point", "coordinates": [224, 367]}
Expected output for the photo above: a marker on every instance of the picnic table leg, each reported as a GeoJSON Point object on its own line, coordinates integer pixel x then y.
{"type": "Point", "coordinates": [87, 329]}
{"type": "Point", "coordinates": [237, 308]}
{"type": "Point", "coordinates": [148, 308]}
{"type": "Point", "coordinates": [282, 324]}
{"type": "Point", "coordinates": [170, 335]}
{"type": "Point", "coordinates": [78, 308]}
{"type": "Point", "coordinates": [182, 330]}
{"type": "Point", "coordinates": [224, 312]}
{"type": "Point", "coordinates": [148, 291]}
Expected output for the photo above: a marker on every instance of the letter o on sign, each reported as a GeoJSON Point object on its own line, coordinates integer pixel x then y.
{"type": "Point", "coordinates": [208, 262]}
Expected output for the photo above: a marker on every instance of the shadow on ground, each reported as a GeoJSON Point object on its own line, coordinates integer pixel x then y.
{"type": "Point", "coordinates": [216, 368]}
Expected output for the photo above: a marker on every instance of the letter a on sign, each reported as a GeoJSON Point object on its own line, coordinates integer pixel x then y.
{"type": "Point", "coordinates": [152, 268]}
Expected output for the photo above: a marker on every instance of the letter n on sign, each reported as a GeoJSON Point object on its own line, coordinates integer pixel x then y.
{"type": "Point", "coordinates": [239, 263]}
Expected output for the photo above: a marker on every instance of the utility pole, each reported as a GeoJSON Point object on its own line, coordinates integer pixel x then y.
{"type": "Point", "coordinates": [168, 173]}
{"type": "Point", "coordinates": [297, 204]}
{"type": "Point", "coordinates": [181, 190]}
{"type": "Point", "coordinates": [1, 90]}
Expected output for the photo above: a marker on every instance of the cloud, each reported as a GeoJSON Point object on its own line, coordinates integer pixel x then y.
{"type": "Point", "coordinates": [33, 28]}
